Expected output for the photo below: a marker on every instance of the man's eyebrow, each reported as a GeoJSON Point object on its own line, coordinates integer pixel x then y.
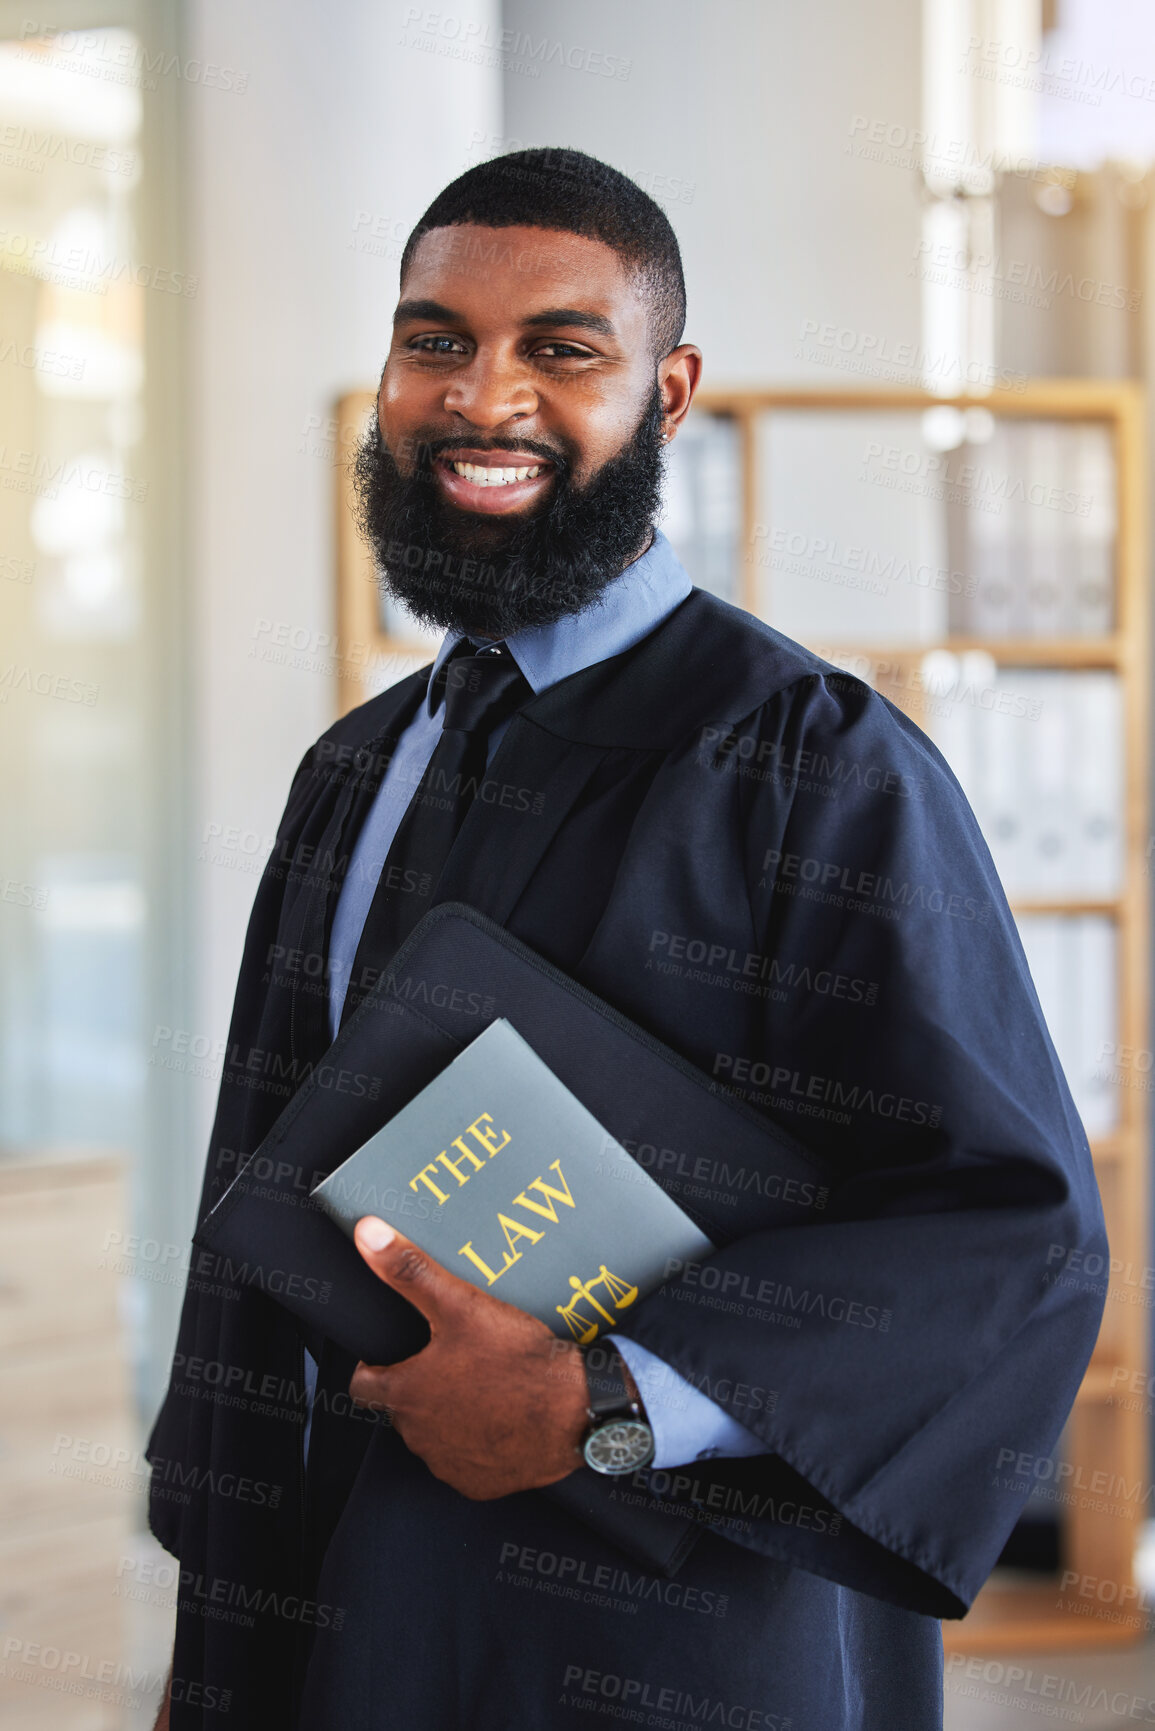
{"type": "Point", "coordinates": [572, 316]}
{"type": "Point", "coordinates": [435, 313]}
{"type": "Point", "coordinates": [431, 310]}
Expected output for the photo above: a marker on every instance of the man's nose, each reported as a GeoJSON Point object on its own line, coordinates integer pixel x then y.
{"type": "Point", "coordinates": [488, 393]}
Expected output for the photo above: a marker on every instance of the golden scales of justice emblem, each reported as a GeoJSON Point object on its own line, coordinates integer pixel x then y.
{"type": "Point", "coordinates": [618, 1290]}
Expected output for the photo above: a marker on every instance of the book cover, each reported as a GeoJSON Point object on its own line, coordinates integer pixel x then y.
{"type": "Point", "coordinates": [501, 1174]}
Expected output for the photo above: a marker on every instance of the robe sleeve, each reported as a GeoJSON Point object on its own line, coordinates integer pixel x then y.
{"type": "Point", "coordinates": [180, 1431]}
{"type": "Point", "coordinates": [917, 1346]}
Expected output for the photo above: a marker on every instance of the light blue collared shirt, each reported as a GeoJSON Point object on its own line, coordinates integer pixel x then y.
{"type": "Point", "coordinates": [687, 1425]}
{"type": "Point", "coordinates": [628, 609]}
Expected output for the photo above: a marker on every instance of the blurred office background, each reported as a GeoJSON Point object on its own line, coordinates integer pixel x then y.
{"type": "Point", "coordinates": [202, 209]}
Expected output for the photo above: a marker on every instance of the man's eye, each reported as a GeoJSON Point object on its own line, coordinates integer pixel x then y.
{"type": "Point", "coordinates": [438, 345]}
{"type": "Point", "coordinates": [562, 351]}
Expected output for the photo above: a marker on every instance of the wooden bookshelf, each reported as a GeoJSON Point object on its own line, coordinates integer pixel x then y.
{"type": "Point", "coordinates": [1019, 1611]}
{"type": "Point", "coordinates": [368, 658]}
{"type": "Point", "coordinates": [1015, 1611]}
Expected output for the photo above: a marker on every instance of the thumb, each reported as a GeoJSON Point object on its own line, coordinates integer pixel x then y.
{"type": "Point", "coordinates": [404, 1266]}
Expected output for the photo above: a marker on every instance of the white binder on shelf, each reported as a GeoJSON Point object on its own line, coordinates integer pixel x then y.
{"type": "Point", "coordinates": [1048, 784]}
{"type": "Point", "coordinates": [1095, 988]}
{"type": "Point", "coordinates": [1000, 745]}
{"type": "Point", "coordinates": [950, 721]}
{"type": "Point", "coordinates": [991, 606]}
{"type": "Point", "coordinates": [1091, 481]}
{"type": "Point", "coordinates": [1048, 839]}
{"type": "Point", "coordinates": [1092, 577]}
{"type": "Point", "coordinates": [992, 537]}
{"type": "Point", "coordinates": [1043, 942]}
{"type": "Point", "coordinates": [1073, 963]}
{"type": "Point", "coordinates": [702, 516]}
{"type": "Point", "coordinates": [1096, 758]}
{"type": "Point", "coordinates": [1039, 483]}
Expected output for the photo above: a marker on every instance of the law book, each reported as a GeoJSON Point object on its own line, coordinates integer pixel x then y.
{"type": "Point", "coordinates": [501, 1174]}
{"type": "Point", "coordinates": [453, 977]}
{"type": "Point", "coordinates": [729, 1169]}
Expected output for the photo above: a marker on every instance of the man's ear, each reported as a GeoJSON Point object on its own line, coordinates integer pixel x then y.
{"type": "Point", "coordinates": [679, 374]}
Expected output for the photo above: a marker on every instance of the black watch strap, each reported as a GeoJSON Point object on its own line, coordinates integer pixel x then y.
{"type": "Point", "coordinates": [609, 1392]}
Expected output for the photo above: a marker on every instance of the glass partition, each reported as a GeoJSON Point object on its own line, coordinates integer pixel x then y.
{"type": "Point", "coordinates": [72, 662]}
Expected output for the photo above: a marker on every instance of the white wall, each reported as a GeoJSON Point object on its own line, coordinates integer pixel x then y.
{"type": "Point", "coordinates": [783, 140]}
{"type": "Point", "coordinates": [338, 117]}
{"type": "Point", "coordinates": [762, 107]}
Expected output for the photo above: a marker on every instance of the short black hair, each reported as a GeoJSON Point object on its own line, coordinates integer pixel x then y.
{"type": "Point", "coordinates": [568, 190]}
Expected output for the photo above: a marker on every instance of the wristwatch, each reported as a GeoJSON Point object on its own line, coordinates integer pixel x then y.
{"type": "Point", "coordinates": [619, 1439]}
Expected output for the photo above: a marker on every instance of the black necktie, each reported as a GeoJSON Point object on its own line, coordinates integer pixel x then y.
{"type": "Point", "coordinates": [481, 688]}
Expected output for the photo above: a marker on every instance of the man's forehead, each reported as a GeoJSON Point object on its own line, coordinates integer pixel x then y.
{"type": "Point", "coordinates": [534, 268]}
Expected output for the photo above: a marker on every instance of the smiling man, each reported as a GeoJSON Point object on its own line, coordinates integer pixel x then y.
{"type": "Point", "coordinates": [827, 1408]}
{"type": "Point", "coordinates": [530, 448]}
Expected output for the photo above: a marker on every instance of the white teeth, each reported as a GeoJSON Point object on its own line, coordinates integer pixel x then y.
{"type": "Point", "coordinates": [483, 476]}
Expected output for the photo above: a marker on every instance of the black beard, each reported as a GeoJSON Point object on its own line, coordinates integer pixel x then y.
{"type": "Point", "coordinates": [489, 576]}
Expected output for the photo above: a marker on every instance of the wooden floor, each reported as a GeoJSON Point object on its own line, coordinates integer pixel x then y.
{"type": "Point", "coordinates": [87, 1634]}
{"type": "Point", "coordinates": [1012, 1617]}
{"type": "Point", "coordinates": [1098, 1691]}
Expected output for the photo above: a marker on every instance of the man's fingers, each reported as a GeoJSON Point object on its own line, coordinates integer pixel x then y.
{"type": "Point", "coordinates": [370, 1386]}
{"type": "Point", "coordinates": [408, 1270]}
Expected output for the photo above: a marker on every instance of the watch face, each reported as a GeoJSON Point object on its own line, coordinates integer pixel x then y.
{"type": "Point", "coordinates": [622, 1445]}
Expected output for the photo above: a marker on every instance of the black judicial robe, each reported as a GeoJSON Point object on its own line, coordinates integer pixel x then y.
{"type": "Point", "coordinates": [769, 867]}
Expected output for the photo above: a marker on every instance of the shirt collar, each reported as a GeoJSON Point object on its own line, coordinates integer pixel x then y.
{"type": "Point", "coordinates": [628, 609]}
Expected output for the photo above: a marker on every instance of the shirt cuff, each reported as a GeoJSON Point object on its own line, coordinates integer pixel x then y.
{"type": "Point", "coordinates": [310, 1392]}
{"type": "Point", "coordinates": [687, 1424]}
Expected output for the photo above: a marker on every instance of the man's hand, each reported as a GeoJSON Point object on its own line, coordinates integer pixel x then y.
{"type": "Point", "coordinates": [495, 1403]}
